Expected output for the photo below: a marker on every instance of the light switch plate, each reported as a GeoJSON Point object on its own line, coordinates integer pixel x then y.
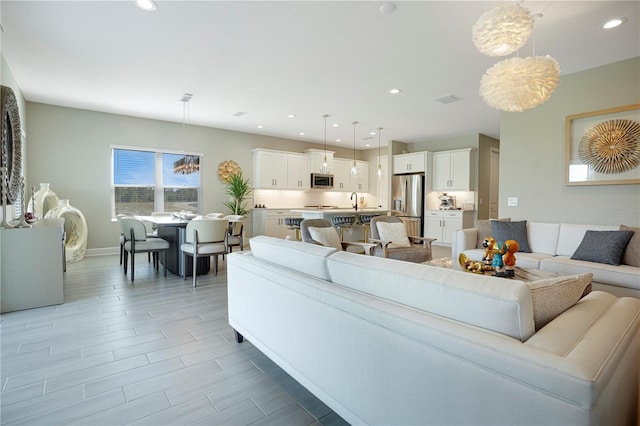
{"type": "Point", "coordinates": [512, 201]}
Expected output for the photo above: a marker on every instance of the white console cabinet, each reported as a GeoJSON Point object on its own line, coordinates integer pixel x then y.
{"type": "Point", "coordinates": [441, 224]}
{"type": "Point", "coordinates": [32, 266]}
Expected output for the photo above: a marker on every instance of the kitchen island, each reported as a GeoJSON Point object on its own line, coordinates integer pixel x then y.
{"type": "Point", "coordinates": [356, 232]}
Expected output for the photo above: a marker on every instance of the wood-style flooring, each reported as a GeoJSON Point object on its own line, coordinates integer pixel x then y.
{"type": "Point", "coordinates": [155, 352]}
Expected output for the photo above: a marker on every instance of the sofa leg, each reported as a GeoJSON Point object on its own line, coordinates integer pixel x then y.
{"type": "Point", "coordinates": [239, 337]}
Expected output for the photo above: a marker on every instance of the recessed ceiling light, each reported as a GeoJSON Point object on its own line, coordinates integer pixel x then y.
{"type": "Point", "coordinates": [260, 126]}
{"type": "Point", "coordinates": [613, 23]}
{"type": "Point", "coordinates": [146, 4]}
{"type": "Point", "coordinates": [372, 133]}
{"type": "Point", "coordinates": [387, 8]}
{"type": "Point", "coordinates": [302, 133]}
{"type": "Point", "coordinates": [395, 91]}
{"type": "Point", "coordinates": [291, 115]}
{"type": "Point", "coordinates": [335, 124]}
{"type": "Point", "coordinates": [338, 140]}
{"type": "Point", "coordinates": [367, 144]}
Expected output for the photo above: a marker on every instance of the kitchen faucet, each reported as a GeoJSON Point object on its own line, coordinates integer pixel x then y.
{"type": "Point", "coordinates": [355, 206]}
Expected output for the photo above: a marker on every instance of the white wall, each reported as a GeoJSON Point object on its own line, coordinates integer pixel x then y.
{"type": "Point", "coordinates": [69, 148]}
{"type": "Point", "coordinates": [532, 153]}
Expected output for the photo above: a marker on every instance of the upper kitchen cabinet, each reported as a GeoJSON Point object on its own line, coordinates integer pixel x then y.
{"type": "Point", "coordinates": [298, 171]}
{"type": "Point", "coordinates": [317, 158]}
{"type": "Point", "coordinates": [270, 169]}
{"type": "Point", "coordinates": [342, 179]}
{"type": "Point", "coordinates": [454, 170]}
{"type": "Point", "coordinates": [409, 163]}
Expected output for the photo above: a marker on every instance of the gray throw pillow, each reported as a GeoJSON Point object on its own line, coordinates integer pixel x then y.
{"type": "Point", "coordinates": [603, 246]}
{"type": "Point", "coordinates": [484, 229]}
{"type": "Point", "coordinates": [503, 231]}
{"type": "Point", "coordinates": [631, 254]}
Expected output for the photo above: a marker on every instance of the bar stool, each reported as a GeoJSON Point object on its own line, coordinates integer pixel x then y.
{"type": "Point", "coordinates": [365, 221]}
{"type": "Point", "coordinates": [293, 223]}
{"type": "Point", "coordinates": [342, 222]}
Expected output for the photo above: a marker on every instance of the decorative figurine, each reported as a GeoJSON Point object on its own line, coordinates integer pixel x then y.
{"type": "Point", "coordinates": [488, 244]}
{"type": "Point", "coordinates": [23, 223]}
{"type": "Point", "coordinates": [499, 249]}
{"type": "Point", "coordinates": [509, 258]}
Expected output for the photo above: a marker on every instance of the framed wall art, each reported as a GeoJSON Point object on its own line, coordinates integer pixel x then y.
{"type": "Point", "coordinates": [11, 147]}
{"type": "Point", "coordinates": [603, 147]}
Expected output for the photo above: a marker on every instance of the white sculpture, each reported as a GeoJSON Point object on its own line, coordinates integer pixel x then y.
{"type": "Point", "coordinates": [75, 227]}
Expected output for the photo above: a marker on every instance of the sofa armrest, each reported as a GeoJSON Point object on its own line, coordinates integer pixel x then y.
{"type": "Point", "coordinates": [463, 239]}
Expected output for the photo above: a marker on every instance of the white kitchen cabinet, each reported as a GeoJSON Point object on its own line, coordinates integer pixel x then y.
{"type": "Point", "coordinates": [271, 223]}
{"type": "Point", "coordinates": [317, 158]}
{"type": "Point", "coordinates": [441, 224]}
{"type": "Point", "coordinates": [342, 174]}
{"type": "Point", "coordinates": [270, 169]}
{"type": "Point", "coordinates": [298, 171]}
{"type": "Point", "coordinates": [409, 163]}
{"type": "Point", "coordinates": [344, 181]}
{"type": "Point", "coordinates": [453, 170]}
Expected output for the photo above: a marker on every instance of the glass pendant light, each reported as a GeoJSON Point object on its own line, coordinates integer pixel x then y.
{"type": "Point", "coordinates": [354, 168]}
{"type": "Point", "coordinates": [379, 171]}
{"type": "Point", "coordinates": [324, 168]}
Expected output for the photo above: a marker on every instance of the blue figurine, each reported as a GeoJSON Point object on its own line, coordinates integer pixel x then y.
{"type": "Point", "coordinates": [499, 249]}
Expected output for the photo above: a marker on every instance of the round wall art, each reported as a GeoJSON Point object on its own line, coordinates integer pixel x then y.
{"type": "Point", "coordinates": [612, 146]}
{"type": "Point", "coordinates": [226, 169]}
{"type": "Point", "coordinates": [11, 147]}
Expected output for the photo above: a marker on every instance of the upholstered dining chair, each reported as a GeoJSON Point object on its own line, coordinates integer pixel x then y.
{"type": "Point", "coordinates": [150, 231]}
{"type": "Point", "coordinates": [322, 232]}
{"type": "Point", "coordinates": [137, 241]}
{"type": "Point", "coordinates": [236, 227]}
{"type": "Point", "coordinates": [390, 234]}
{"type": "Point", "coordinates": [205, 238]}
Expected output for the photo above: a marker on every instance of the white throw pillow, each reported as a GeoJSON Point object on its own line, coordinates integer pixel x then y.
{"type": "Point", "coordinates": [328, 237]}
{"type": "Point", "coordinates": [394, 232]}
{"type": "Point", "coordinates": [553, 296]}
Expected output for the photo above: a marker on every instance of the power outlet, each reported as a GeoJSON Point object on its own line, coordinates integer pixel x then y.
{"type": "Point", "coordinates": [512, 201]}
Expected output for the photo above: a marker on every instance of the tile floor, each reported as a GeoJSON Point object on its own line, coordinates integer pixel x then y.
{"type": "Point", "coordinates": [156, 352]}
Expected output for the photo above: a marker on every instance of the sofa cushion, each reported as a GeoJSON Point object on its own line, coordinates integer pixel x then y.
{"type": "Point", "coordinates": [327, 236]}
{"type": "Point", "coordinates": [483, 301]}
{"type": "Point", "coordinates": [503, 231]}
{"type": "Point", "coordinates": [571, 235]}
{"type": "Point", "coordinates": [307, 258]}
{"type": "Point", "coordinates": [553, 296]}
{"type": "Point", "coordinates": [484, 229]}
{"type": "Point", "coordinates": [543, 237]}
{"type": "Point", "coordinates": [632, 252]}
{"type": "Point", "coordinates": [603, 246]}
{"type": "Point", "coordinates": [621, 275]}
{"type": "Point", "coordinates": [394, 232]}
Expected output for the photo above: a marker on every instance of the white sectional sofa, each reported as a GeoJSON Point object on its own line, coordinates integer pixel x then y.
{"type": "Point", "coordinates": [552, 245]}
{"type": "Point", "coordinates": [382, 341]}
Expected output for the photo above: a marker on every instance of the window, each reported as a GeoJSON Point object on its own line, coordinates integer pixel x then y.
{"type": "Point", "coordinates": [138, 176]}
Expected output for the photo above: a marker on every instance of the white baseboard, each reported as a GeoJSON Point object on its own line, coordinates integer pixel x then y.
{"type": "Point", "coordinates": [102, 251]}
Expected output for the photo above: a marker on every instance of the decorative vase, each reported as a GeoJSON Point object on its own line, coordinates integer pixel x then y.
{"type": "Point", "coordinates": [75, 228]}
{"type": "Point", "coordinates": [42, 201]}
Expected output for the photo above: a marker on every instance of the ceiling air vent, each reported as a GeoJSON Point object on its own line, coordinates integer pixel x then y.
{"type": "Point", "coordinates": [239, 114]}
{"type": "Point", "coordinates": [447, 99]}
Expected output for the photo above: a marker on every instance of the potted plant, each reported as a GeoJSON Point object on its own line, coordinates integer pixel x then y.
{"type": "Point", "coordinates": [239, 190]}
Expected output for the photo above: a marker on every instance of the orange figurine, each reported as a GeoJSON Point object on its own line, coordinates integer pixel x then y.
{"type": "Point", "coordinates": [509, 257]}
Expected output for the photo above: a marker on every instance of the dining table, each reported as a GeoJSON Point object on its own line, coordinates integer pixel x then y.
{"type": "Point", "coordinates": [173, 229]}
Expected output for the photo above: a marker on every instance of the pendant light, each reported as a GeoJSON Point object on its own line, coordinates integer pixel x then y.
{"type": "Point", "coordinates": [354, 167]}
{"type": "Point", "coordinates": [324, 168]}
{"type": "Point", "coordinates": [188, 163]}
{"type": "Point", "coordinates": [379, 171]}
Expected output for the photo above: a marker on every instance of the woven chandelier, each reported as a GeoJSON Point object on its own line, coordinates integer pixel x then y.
{"type": "Point", "coordinates": [502, 30]}
{"type": "Point", "coordinates": [517, 84]}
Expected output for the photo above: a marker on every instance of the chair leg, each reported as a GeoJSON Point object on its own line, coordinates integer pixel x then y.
{"type": "Point", "coordinates": [121, 252]}
{"type": "Point", "coordinates": [215, 265]}
{"type": "Point", "coordinates": [126, 259]}
{"type": "Point", "coordinates": [164, 261]}
{"type": "Point", "coordinates": [133, 262]}
{"type": "Point", "coordinates": [149, 257]}
{"type": "Point", "coordinates": [184, 266]}
{"type": "Point", "coordinates": [195, 267]}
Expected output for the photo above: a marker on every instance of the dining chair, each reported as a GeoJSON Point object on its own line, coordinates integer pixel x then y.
{"type": "Point", "coordinates": [137, 241]}
{"type": "Point", "coordinates": [236, 227]}
{"type": "Point", "coordinates": [205, 238]}
{"type": "Point", "coordinates": [390, 235]}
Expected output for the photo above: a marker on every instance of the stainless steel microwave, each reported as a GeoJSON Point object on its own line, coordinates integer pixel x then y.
{"type": "Point", "coordinates": [321, 181]}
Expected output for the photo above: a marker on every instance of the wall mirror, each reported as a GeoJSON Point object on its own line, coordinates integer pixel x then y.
{"type": "Point", "coordinates": [11, 154]}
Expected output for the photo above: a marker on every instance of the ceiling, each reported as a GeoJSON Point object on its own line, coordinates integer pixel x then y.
{"type": "Point", "coordinates": [308, 58]}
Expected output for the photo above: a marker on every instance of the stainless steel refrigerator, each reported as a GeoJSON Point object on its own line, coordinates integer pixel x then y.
{"type": "Point", "coordinates": [407, 196]}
